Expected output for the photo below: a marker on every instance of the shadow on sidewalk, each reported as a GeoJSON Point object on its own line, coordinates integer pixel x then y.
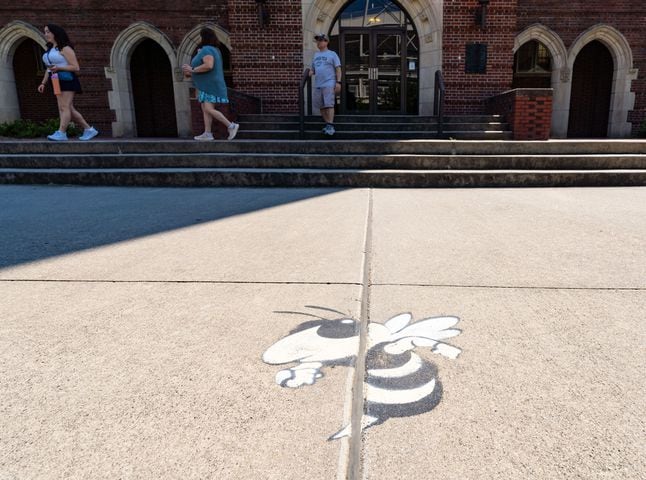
{"type": "Point", "coordinates": [38, 222]}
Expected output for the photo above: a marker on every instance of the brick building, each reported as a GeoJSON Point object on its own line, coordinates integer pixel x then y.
{"type": "Point", "coordinates": [591, 54]}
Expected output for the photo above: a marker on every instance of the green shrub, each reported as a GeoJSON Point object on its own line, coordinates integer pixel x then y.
{"type": "Point", "coordinates": [30, 129]}
{"type": "Point", "coordinates": [641, 133]}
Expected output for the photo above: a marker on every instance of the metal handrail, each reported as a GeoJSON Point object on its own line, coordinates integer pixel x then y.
{"type": "Point", "coordinates": [438, 100]}
{"type": "Point", "coordinates": [234, 95]}
{"type": "Point", "coordinates": [306, 82]}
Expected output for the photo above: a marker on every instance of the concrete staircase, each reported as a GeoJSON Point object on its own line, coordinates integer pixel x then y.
{"type": "Point", "coordinates": [365, 127]}
{"type": "Point", "coordinates": [324, 163]}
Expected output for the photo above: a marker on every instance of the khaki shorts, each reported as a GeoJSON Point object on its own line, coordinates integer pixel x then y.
{"type": "Point", "coordinates": [323, 98]}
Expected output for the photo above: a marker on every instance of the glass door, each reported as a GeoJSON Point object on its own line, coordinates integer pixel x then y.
{"type": "Point", "coordinates": [374, 71]}
{"type": "Point", "coordinates": [357, 73]}
{"type": "Point", "coordinates": [388, 71]}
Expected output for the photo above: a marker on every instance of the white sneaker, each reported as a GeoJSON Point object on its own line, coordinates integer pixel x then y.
{"type": "Point", "coordinates": [233, 131]}
{"type": "Point", "coordinates": [89, 133]}
{"type": "Point", "coordinates": [205, 137]}
{"type": "Point", "coordinates": [329, 130]}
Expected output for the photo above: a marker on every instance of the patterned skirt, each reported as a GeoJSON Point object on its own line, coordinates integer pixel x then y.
{"type": "Point", "coordinates": [204, 97]}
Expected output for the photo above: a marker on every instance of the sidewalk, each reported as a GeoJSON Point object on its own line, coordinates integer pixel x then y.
{"type": "Point", "coordinates": [134, 323]}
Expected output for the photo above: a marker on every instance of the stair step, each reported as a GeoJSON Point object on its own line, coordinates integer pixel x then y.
{"type": "Point", "coordinates": [325, 146]}
{"type": "Point", "coordinates": [373, 135]}
{"type": "Point", "coordinates": [367, 119]}
{"type": "Point", "coordinates": [323, 161]}
{"type": "Point", "coordinates": [355, 178]}
{"type": "Point", "coordinates": [387, 128]}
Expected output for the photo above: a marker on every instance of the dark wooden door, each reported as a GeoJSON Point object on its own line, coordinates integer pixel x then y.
{"type": "Point", "coordinates": [591, 90]}
{"type": "Point", "coordinates": [152, 91]}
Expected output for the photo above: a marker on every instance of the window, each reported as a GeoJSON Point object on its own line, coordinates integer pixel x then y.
{"type": "Point", "coordinates": [532, 66]}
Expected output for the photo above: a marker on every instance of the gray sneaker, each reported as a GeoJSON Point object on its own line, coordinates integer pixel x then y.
{"type": "Point", "coordinates": [89, 134]}
{"type": "Point", "coordinates": [329, 130]}
{"type": "Point", "coordinates": [233, 131]}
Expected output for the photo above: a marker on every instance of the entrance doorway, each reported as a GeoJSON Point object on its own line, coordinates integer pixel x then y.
{"type": "Point", "coordinates": [591, 92]}
{"type": "Point", "coordinates": [28, 72]}
{"type": "Point", "coordinates": [152, 91]}
{"type": "Point", "coordinates": [379, 50]}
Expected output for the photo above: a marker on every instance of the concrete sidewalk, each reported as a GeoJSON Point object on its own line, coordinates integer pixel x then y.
{"type": "Point", "coordinates": [145, 333]}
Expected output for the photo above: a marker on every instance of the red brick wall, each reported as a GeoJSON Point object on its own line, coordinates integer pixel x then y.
{"type": "Point", "coordinates": [93, 27]}
{"type": "Point", "coordinates": [569, 19]}
{"type": "Point", "coordinates": [466, 92]}
{"type": "Point", "coordinates": [268, 61]}
{"type": "Point", "coordinates": [528, 111]}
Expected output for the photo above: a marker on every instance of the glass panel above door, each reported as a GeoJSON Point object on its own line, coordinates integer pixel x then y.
{"type": "Point", "coordinates": [372, 13]}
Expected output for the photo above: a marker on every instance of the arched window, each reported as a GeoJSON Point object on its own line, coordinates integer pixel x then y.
{"type": "Point", "coordinates": [532, 66]}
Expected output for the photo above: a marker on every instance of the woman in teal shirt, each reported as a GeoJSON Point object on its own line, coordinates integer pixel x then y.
{"type": "Point", "coordinates": [207, 72]}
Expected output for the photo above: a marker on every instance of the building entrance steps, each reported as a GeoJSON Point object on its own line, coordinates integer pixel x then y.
{"type": "Point", "coordinates": [466, 127]}
{"type": "Point", "coordinates": [342, 163]}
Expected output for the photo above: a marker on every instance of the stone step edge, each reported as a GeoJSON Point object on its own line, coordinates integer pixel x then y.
{"type": "Point", "coordinates": [326, 178]}
{"type": "Point", "coordinates": [202, 161]}
{"type": "Point", "coordinates": [317, 170]}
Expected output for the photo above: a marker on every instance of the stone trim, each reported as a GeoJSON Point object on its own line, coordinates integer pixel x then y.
{"type": "Point", "coordinates": [120, 97]}
{"type": "Point", "coordinates": [182, 89]}
{"type": "Point", "coordinates": [10, 37]}
{"type": "Point", "coordinates": [561, 73]}
{"type": "Point", "coordinates": [622, 100]}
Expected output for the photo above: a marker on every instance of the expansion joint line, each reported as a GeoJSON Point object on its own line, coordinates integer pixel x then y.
{"type": "Point", "coordinates": [358, 396]}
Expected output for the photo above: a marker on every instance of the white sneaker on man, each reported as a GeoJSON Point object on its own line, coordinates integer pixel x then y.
{"type": "Point", "coordinates": [89, 133]}
{"type": "Point", "coordinates": [329, 129]}
{"type": "Point", "coordinates": [205, 137]}
{"type": "Point", "coordinates": [233, 130]}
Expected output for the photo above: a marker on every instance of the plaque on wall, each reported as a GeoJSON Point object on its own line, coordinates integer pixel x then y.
{"type": "Point", "coordinates": [476, 58]}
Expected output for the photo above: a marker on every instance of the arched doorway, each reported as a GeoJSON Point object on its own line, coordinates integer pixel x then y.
{"type": "Point", "coordinates": [379, 50]}
{"type": "Point", "coordinates": [28, 72]}
{"type": "Point", "coordinates": [152, 91]}
{"type": "Point", "coordinates": [591, 92]}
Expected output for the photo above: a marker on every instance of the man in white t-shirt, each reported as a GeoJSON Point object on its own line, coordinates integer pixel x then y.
{"type": "Point", "coordinates": [326, 68]}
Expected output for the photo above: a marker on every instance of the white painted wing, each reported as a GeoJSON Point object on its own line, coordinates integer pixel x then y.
{"type": "Point", "coordinates": [436, 328]}
{"type": "Point", "coordinates": [398, 322]}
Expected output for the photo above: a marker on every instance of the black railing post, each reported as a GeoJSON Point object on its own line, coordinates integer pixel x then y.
{"type": "Point", "coordinates": [438, 101]}
{"type": "Point", "coordinates": [305, 83]}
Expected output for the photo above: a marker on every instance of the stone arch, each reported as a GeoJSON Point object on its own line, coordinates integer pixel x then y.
{"type": "Point", "coordinates": [185, 51]}
{"type": "Point", "coordinates": [10, 37]}
{"type": "Point", "coordinates": [192, 39]}
{"type": "Point", "coordinates": [622, 100]}
{"type": "Point", "coordinates": [120, 97]}
{"type": "Point", "coordinates": [560, 73]}
{"type": "Point", "coordinates": [319, 15]}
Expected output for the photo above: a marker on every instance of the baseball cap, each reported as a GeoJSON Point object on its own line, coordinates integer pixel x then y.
{"type": "Point", "coordinates": [321, 36]}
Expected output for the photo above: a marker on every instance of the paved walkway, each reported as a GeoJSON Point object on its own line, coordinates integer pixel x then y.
{"type": "Point", "coordinates": [144, 333]}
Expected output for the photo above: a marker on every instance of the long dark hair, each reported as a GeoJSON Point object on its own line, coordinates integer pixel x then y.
{"type": "Point", "coordinates": [208, 38]}
{"type": "Point", "coordinates": [60, 35]}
